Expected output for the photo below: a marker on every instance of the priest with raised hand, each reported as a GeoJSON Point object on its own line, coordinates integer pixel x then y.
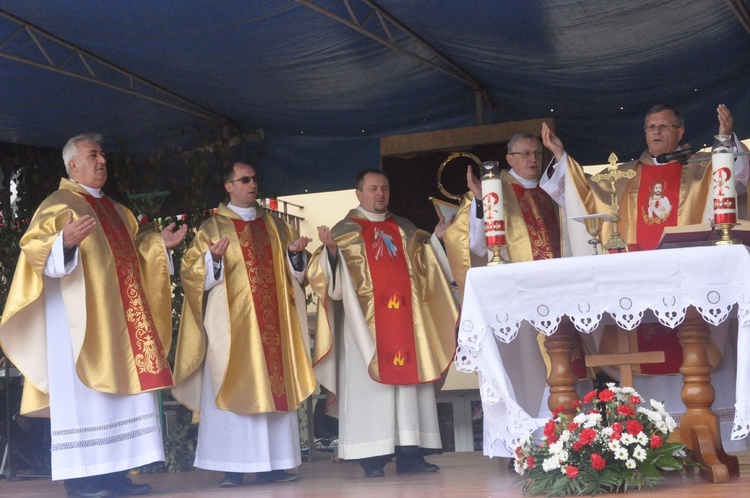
{"type": "Point", "coordinates": [243, 354]}
{"type": "Point", "coordinates": [686, 186]}
{"type": "Point", "coordinates": [385, 331]}
{"type": "Point", "coordinates": [661, 193]}
{"type": "Point", "coordinates": [88, 323]}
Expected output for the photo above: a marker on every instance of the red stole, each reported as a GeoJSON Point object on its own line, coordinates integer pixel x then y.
{"type": "Point", "coordinates": [658, 202]}
{"type": "Point", "coordinates": [540, 216]}
{"type": "Point", "coordinates": [258, 255]}
{"type": "Point", "coordinates": [391, 289]}
{"type": "Point", "coordinates": [657, 210]}
{"type": "Point", "coordinates": [148, 353]}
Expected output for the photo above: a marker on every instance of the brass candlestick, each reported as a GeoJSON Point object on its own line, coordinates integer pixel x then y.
{"type": "Point", "coordinates": [616, 241]}
{"type": "Point", "coordinates": [726, 238]}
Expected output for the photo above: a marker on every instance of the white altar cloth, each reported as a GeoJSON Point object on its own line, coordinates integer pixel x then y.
{"type": "Point", "coordinates": [498, 299]}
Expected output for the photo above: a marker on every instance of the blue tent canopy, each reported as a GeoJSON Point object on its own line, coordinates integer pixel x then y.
{"type": "Point", "coordinates": [314, 84]}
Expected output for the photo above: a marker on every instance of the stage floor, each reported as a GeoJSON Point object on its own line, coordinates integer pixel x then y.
{"type": "Point", "coordinates": [461, 475]}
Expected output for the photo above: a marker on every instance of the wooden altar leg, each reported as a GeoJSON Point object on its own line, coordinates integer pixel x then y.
{"type": "Point", "coordinates": [699, 428]}
{"type": "Point", "coordinates": [561, 381]}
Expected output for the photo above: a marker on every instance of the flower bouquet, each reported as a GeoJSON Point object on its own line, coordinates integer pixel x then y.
{"type": "Point", "coordinates": [615, 445]}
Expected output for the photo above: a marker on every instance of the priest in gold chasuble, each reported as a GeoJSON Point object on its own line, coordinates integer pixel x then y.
{"type": "Point", "coordinates": [660, 194]}
{"type": "Point", "coordinates": [385, 331]}
{"type": "Point", "coordinates": [535, 230]}
{"type": "Point", "coordinates": [243, 355]}
{"type": "Point", "coordinates": [88, 323]}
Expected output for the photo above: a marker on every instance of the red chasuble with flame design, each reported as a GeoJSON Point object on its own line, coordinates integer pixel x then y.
{"type": "Point", "coordinates": [258, 255]}
{"type": "Point", "coordinates": [148, 352]}
{"type": "Point", "coordinates": [391, 287]}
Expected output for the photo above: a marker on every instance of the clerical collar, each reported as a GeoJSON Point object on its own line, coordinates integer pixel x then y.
{"type": "Point", "coordinates": [95, 192]}
{"type": "Point", "coordinates": [372, 216]}
{"type": "Point", "coordinates": [524, 181]}
{"type": "Point", "coordinates": [246, 213]}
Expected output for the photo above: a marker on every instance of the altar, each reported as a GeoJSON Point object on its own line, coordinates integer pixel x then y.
{"type": "Point", "coordinates": [687, 287]}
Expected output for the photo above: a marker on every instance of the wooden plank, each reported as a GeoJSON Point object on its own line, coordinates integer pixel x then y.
{"type": "Point", "coordinates": [458, 138]}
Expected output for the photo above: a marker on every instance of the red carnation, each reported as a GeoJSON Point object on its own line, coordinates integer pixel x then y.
{"type": "Point", "coordinates": [571, 471]}
{"type": "Point", "coordinates": [635, 400]}
{"type": "Point", "coordinates": [549, 431]}
{"type": "Point", "coordinates": [557, 411]}
{"type": "Point", "coordinates": [587, 436]}
{"type": "Point", "coordinates": [656, 442]}
{"type": "Point", "coordinates": [617, 427]}
{"type": "Point", "coordinates": [577, 446]}
{"type": "Point", "coordinates": [625, 411]}
{"type": "Point", "coordinates": [634, 427]}
{"type": "Point", "coordinates": [607, 395]}
{"type": "Point", "coordinates": [572, 426]}
{"type": "Point", "coordinates": [597, 462]}
{"type": "Point", "coordinates": [589, 397]}
{"type": "Point", "coordinates": [530, 462]}
{"type": "Point", "coordinates": [577, 404]}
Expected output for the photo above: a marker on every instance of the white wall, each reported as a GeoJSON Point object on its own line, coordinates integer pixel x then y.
{"type": "Point", "coordinates": [323, 208]}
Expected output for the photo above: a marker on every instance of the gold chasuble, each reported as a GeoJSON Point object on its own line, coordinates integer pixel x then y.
{"type": "Point", "coordinates": [248, 324]}
{"type": "Point", "coordinates": [404, 297]}
{"type": "Point", "coordinates": [657, 196]}
{"type": "Point", "coordinates": [644, 212]}
{"type": "Point", "coordinates": [532, 226]}
{"type": "Point", "coordinates": [532, 222]}
{"type": "Point", "coordinates": [118, 301]}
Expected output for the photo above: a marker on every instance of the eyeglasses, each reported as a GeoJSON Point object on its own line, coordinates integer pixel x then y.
{"type": "Point", "coordinates": [661, 127]}
{"type": "Point", "coordinates": [245, 180]}
{"type": "Point", "coordinates": [526, 154]}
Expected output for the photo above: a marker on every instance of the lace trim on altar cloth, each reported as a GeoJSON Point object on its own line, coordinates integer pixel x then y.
{"type": "Point", "coordinates": [741, 423]}
{"type": "Point", "coordinates": [714, 305]}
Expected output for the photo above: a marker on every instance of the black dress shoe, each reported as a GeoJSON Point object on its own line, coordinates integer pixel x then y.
{"type": "Point", "coordinates": [231, 480]}
{"type": "Point", "coordinates": [123, 486]}
{"type": "Point", "coordinates": [89, 490]}
{"type": "Point", "coordinates": [374, 472]}
{"type": "Point", "coordinates": [414, 465]}
{"type": "Point", "coordinates": [276, 476]}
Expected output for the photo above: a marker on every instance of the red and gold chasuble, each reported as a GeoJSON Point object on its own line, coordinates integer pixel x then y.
{"type": "Point", "coordinates": [258, 255]}
{"type": "Point", "coordinates": [658, 203]}
{"type": "Point", "coordinates": [540, 216]}
{"type": "Point", "coordinates": [391, 289]}
{"type": "Point", "coordinates": [148, 353]}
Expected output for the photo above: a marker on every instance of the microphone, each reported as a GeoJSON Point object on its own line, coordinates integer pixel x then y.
{"type": "Point", "coordinates": [680, 155]}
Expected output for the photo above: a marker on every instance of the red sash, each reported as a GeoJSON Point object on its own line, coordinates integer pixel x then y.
{"type": "Point", "coordinates": [658, 202]}
{"type": "Point", "coordinates": [148, 353]}
{"type": "Point", "coordinates": [540, 216]}
{"type": "Point", "coordinates": [258, 255]}
{"type": "Point", "coordinates": [391, 289]}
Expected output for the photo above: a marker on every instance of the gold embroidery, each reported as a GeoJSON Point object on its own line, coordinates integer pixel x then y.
{"type": "Point", "coordinates": [260, 273]}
